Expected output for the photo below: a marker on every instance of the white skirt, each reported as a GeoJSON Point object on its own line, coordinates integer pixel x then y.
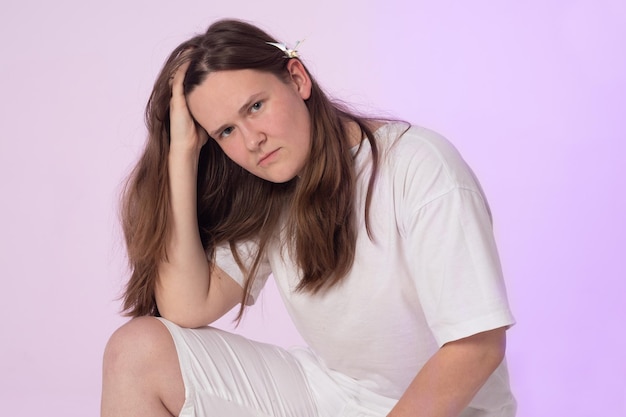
{"type": "Point", "coordinates": [228, 375]}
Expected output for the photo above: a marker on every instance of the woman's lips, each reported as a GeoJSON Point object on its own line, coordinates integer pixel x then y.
{"type": "Point", "coordinates": [268, 158]}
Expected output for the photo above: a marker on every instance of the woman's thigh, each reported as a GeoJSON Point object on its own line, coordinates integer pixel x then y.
{"type": "Point", "coordinates": [227, 374]}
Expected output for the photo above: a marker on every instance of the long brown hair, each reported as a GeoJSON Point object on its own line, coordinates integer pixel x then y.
{"type": "Point", "coordinates": [234, 205]}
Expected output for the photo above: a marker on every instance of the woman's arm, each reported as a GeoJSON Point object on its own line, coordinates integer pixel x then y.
{"type": "Point", "coordinates": [183, 293]}
{"type": "Point", "coordinates": [450, 379]}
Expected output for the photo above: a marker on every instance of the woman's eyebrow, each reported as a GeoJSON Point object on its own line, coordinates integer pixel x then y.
{"type": "Point", "coordinates": [242, 111]}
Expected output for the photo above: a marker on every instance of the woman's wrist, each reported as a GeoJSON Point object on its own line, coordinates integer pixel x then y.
{"type": "Point", "coordinates": [183, 156]}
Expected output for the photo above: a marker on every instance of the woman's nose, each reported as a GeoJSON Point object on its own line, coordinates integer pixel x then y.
{"type": "Point", "coordinates": [253, 139]}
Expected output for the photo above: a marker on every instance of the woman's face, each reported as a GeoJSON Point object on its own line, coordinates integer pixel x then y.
{"type": "Point", "coordinates": [260, 121]}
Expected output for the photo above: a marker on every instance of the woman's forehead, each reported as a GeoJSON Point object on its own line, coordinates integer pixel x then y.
{"type": "Point", "coordinates": [221, 85]}
{"type": "Point", "coordinates": [223, 94]}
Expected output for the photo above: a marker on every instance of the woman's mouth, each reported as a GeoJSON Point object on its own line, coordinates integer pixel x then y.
{"type": "Point", "coordinates": [268, 158]}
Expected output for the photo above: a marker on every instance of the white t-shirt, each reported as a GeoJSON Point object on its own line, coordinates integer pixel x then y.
{"type": "Point", "coordinates": [431, 275]}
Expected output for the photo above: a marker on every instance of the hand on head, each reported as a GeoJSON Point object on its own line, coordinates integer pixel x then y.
{"type": "Point", "coordinates": [185, 133]}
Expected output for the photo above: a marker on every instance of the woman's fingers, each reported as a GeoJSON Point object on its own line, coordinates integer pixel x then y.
{"type": "Point", "coordinates": [183, 130]}
{"type": "Point", "coordinates": [177, 78]}
{"type": "Point", "coordinates": [203, 136]}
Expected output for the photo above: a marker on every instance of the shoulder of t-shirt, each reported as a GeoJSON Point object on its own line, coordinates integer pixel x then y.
{"type": "Point", "coordinates": [423, 153]}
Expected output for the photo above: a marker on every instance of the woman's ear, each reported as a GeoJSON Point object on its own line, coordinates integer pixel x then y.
{"type": "Point", "coordinates": [300, 77]}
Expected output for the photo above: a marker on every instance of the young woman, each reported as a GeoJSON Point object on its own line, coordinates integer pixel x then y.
{"type": "Point", "coordinates": [376, 232]}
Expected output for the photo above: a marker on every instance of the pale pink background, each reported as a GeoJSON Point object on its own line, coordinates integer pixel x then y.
{"type": "Point", "coordinates": [533, 93]}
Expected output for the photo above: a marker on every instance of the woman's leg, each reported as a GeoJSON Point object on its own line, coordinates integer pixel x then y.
{"type": "Point", "coordinates": [141, 373]}
{"type": "Point", "coordinates": [226, 374]}
{"type": "Point", "coordinates": [223, 374]}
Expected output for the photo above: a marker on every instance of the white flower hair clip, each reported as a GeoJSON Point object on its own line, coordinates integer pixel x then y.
{"type": "Point", "coordinates": [289, 52]}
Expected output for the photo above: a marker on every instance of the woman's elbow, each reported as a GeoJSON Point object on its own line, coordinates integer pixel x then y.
{"type": "Point", "coordinates": [494, 347]}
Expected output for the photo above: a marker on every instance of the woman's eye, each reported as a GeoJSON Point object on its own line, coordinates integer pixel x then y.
{"type": "Point", "coordinates": [226, 132]}
{"type": "Point", "coordinates": [256, 107]}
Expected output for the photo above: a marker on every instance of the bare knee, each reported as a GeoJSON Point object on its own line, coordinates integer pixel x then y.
{"type": "Point", "coordinates": [140, 360]}
{"type": "Point", "coordinates": [137, 343]}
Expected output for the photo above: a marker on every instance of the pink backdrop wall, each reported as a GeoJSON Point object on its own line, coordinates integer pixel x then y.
{"type": "Point", "coordinates": [533, 93]}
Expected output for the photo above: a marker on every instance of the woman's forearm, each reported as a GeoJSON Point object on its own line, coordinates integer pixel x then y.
{"type": "Point", "coordinates": [188, 292]}
{"type": "Point", "coordinates": [450, 379]}
{"type": "Point", "coordinates": [183, 283]}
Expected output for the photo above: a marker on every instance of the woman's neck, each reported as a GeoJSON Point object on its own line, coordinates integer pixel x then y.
{"type": "Point", "coordinates": [354, 133]}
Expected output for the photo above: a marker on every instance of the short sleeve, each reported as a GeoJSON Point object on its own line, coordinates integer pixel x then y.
{"type": "Point", "coordinates": [450, 248]}
{"type": "Point", "coordinates": [458, 276]}
{"type": "Point", "coordinates": [225, 259]}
